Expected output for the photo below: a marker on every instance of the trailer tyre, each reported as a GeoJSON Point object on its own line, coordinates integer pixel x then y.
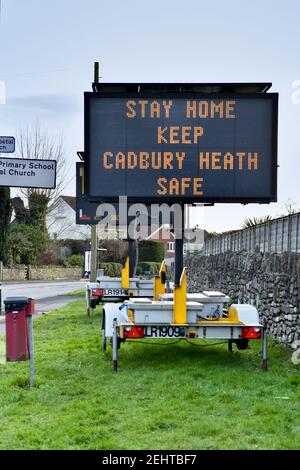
{"type": "Point", "coordinates": [93, 303]}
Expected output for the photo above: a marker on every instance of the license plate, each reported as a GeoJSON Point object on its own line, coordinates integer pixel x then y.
{"type": "Point", "coordinates": [161, 331]}
{"type": "Point", "coordinates": [115, 292]}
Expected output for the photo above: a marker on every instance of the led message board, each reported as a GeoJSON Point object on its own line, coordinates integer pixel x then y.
{"type": "Point", "coordinates": [181, 148]}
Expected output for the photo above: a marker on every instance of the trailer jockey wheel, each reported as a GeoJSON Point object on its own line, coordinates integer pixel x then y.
{"type": "Point", "coordinates": [242, 344]}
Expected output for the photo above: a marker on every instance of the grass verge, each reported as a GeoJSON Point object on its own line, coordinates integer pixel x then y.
{"type": "Point", "coordinates": [177, 397]}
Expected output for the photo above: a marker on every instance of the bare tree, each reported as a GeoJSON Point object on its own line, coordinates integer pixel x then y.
{"type": "Point", "coordinates": [37, 144]}
{"type": "Point", "coordinates": [290, 207]}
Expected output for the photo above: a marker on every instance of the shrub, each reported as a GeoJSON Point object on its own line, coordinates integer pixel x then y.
{"type": "Point", "coordinates": [151, 250]}
{"type": "Point", "coordinates": [74, 260]}
{"type": "Point", "coordinates": [48, 258]}
{"type": "Point", "coordinates": [111, 269]}
{"type": "Point", "coordinates": [148, 268]}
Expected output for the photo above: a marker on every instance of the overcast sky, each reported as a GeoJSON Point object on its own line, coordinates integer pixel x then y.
{"type": "Point", "coordinates": [47, 51]}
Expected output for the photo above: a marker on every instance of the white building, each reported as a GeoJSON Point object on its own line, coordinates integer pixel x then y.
{"type": "Point", "coordinates": [61, 221]}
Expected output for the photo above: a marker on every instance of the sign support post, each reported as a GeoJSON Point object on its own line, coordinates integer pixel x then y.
{"type": "Point", "coordinates": [179, 235]}
{"type": "Point", "coordinates": [94, 227]}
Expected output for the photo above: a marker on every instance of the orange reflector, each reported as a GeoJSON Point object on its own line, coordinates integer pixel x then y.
{"type": "Point", "coordinates": [134, 332]}
{"type": "Point", "coordinates": [251, 332]}
{"type": "Point", "coordinates": [98, 292]}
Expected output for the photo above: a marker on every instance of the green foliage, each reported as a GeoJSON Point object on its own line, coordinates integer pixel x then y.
{"type": "Point", "coordinates": [111, 269]}
{"type": "Point", "coordinates": [5, 215]}
{"type": "Point", "coordinates": [74, 260]}
{"type": "Point", "coordinates": [148, 267]}
{"type": "Point", "coordinates": [26, 243]}
{"type": "Point", "coordinates": [37, 209]}
{"type": "Point", "coordinates": [151, 250]}
{"type": "Point", "coordinates": [180, 396]}
{"type": "Point", "coordinates": [252, 222]}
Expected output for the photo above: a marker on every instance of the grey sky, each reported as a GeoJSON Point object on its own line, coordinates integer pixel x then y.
{"type": "Point", "coordinates": [47, 50]}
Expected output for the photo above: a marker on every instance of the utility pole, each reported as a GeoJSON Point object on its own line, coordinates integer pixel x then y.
{"type": "Point", "coordinates": [94, 241]}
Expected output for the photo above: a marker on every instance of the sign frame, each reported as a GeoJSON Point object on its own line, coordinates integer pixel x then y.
{"type": "Point", "coordinates": [34, 160]}
{"type": "Point", "coordinates": [88, 96]}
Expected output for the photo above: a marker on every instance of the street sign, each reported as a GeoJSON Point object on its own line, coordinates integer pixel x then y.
{"type": "Point", "coordinates": [7, 144]}
{"type": "Point", "coordinates": [184, 147]}
{"type": "Point", "coordinates": [27, 173]}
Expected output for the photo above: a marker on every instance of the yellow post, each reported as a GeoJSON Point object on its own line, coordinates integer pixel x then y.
{"type": "Point", "coordinates": [125, 275]}
{"type": "Point", "coordinates": [179, 309]}
{"type": "Point", "coordinates": [159, 281]}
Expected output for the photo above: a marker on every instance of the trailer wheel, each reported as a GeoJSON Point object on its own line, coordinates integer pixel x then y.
{"type": "Point", "coordinates": [93, 303]}
{"type": "Point", "coordinates": [242, 344]}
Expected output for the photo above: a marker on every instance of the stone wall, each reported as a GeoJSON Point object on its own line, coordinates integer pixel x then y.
{"type": "Point", "coordinates": [21, 273]}
{"type": "Point", "coordinates": [13, 274]}
{"type": "Point", "coordinates": [54, 272]}
{"type": "Point", "coordinates": [271, 282]}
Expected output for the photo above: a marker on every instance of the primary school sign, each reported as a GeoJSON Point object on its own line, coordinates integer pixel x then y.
{"type": "Point", "coordinates": [27, 173]}
{"type": "Point", "coordinates": [181, 147]}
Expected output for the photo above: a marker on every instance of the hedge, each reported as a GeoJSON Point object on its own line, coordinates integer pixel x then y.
{"type": "Point", "coordinates": [111, 269]}
{"type": "Point", "coordinates": [151, 250]}
{"type": "Point", "coordinates": [148, 268]}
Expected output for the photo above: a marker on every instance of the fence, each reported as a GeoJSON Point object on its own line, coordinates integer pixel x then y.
{"type": "Point", "coordinates": [278, 235]}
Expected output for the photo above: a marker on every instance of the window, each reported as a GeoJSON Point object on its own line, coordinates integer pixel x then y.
{"type": "Point", "coordinates": [171, 246]}
{"type": "Point", "coordinates": [60, 210]}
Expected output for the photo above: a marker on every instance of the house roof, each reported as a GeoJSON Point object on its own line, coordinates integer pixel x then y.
{"type": "Point", "coordinates": [70, 200]}
{"type": "Point", "coordinates": [165, 227]}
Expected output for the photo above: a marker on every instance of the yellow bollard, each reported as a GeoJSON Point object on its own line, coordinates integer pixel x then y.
{"type": "Point", "coordinates": [125, 275]}
{"type": "Point", "coordinates": [159, 281]}
{"type": "Point", "coordinates": [179, 309]}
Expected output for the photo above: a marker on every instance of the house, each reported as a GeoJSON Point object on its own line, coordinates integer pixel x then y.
{"type": "Point", "coordinates": [61, 221]}
{"type": "Point", "coordinates": [164, 234]}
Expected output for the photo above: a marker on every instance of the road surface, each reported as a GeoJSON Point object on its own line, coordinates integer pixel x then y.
{"type": "Point", "coordinates": [40, 289]}
{"type": "Point", "coordinates": [49, 295]}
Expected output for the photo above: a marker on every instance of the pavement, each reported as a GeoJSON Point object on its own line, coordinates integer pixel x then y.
{"type": "Point", "coordinates": [49, 295]}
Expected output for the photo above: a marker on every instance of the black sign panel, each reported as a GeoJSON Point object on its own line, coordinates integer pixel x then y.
{"type": "Point", "coordinates": [86, 211]}
{"type": "Point", "coordinates": [204, 148]}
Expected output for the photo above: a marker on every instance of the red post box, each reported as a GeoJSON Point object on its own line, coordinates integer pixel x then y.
{"type": "Point", "coordinates": [17, 309]}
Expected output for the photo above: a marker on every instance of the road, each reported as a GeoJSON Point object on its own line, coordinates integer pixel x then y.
{"type": "Point", "coordinates": [49, 295]}
{"type": "Point", "coordinates": [40, 289]}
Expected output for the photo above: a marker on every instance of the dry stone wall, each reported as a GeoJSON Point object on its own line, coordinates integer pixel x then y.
{"type": "Point", "coordinates": [269, 281]}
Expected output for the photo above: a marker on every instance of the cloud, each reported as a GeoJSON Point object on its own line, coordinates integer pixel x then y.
{"type": "Point", "coordinates": [55, 102]}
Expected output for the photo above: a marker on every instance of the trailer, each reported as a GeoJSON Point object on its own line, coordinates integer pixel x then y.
{"type": "Point", "coordinates": [182, 316]}
{"type": "Point", "coordinates": [116, 289]}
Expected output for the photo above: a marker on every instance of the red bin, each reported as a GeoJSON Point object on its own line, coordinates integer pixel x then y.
{"type": "Point", "coordinates": [16, 311]}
